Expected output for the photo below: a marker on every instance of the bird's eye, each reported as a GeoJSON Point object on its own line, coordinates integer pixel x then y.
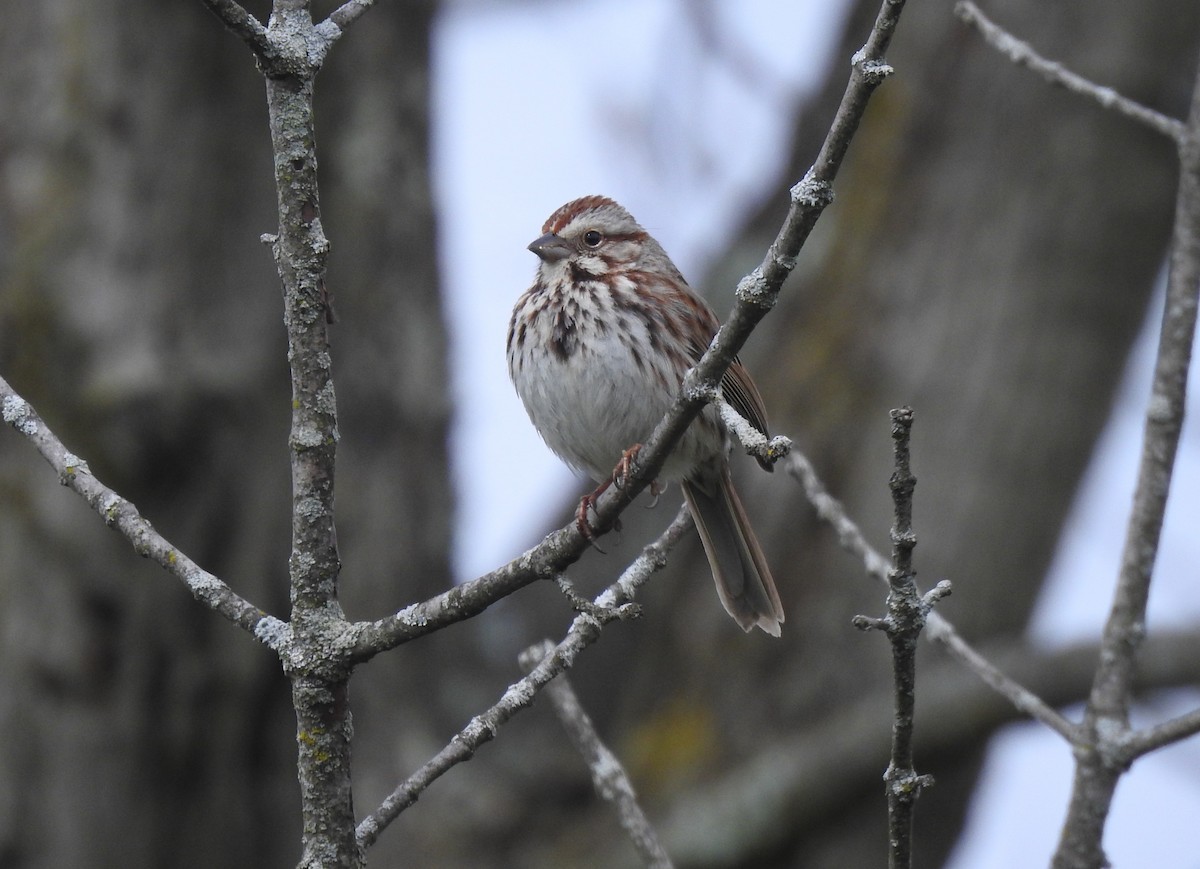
{"type": "Point", "coordinates": [592, 238]}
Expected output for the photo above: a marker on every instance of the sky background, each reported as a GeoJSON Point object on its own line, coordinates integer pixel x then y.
{"type": "Point", "coordinates": [624, 98]}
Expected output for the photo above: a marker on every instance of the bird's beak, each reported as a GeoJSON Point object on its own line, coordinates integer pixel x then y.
{"type": "Point", "coordinates": [550, 248]}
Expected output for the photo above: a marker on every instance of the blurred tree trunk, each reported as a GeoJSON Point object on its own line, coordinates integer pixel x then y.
{"type": "Point", "coordinates": [141, 315]}
{"type": "Point", "coordinates": [987, 260]}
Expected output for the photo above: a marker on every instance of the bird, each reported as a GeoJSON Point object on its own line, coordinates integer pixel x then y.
{"type": "Point", "coordinates": [597, 349]}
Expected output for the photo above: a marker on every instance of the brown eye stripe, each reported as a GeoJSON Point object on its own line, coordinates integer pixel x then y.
{"type": "Point", "coordinates": [624, 236]}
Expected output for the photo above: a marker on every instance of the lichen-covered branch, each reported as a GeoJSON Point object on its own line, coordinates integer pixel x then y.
{"type": "Point", "coordinates": [608, 775]}
{"type": "Point", "coordinates": [119, 513]}
{"type": "Point", "coordinates": [584, 631]}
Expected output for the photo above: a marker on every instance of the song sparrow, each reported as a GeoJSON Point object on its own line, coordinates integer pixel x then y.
{"type": "Point", "coordinates": [597, 349]}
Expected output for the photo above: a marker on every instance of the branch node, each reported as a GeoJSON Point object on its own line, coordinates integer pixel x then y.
{"type": "Point", "coordinates": [874, 71]}
{"type": "Point", "coordinates": [752, 288]}
{"type": "Point", "coordinates": [906, 784]}
{"type": "Point", "coordinates": [583, 606]}
{"type": "Point", "coordinates": [811, 193]}
{"type": "Point", "coordinates": [72, 465]}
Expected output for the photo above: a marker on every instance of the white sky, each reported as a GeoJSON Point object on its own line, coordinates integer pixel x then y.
{"type": "Point", "coordinates": [540, 102]}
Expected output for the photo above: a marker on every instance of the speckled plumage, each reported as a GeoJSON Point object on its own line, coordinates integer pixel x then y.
{"type": "Point", "coordinates": [597, 349]}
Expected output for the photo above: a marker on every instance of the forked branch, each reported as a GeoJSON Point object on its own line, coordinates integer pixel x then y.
{"type": "Point", "coordinates": [584, 631]}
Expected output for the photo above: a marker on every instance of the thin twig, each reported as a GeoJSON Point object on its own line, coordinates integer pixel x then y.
{"type": "Point", "coordinates": [608, 775]}
{"type": "Point", "coordinates": [906, 615]}
{"type": "Point", "coordinates": [554, 554]}
{"type": "Point", "coordinates": [584, 631]}
{"type": "Point", "coordinates": [1161, 735]}
{"type": "Point", "coordinates": [937, 628]}
{"type": "Point", "coordinates": [349, 12]}
{"type": "Point", "coordinates": [332, 28]}
{"type": "Point", "coordinates": [1022, 54]}
{"type": "Point", "coordinates": [74, 473]}
{"type": "Point", "coordinates": [754, 442]}
{"type": "Point", "coordinates": [244, 25]}
{"type": "Point", "coordinates": [830, 509]}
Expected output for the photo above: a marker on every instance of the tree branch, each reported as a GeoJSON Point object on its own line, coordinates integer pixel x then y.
{"type": "Point", "coordinates": [754, 442]}
{"type": "Point", "coordinates": [937, 628]}
{"type": "Point", "coordinates": [831, 511]}
{"type": "Point", "coordinates": [243, 25]}
{"type": "Point", "coordinates": [608, 775]}
{"type": "Point", "coordinates": [318, 665]}
{"type": "Point", "coordinates": [584, 630]}
{"type": "Point", "coordinates": [1106, 718]}
{"type": "Point", "coordinates": [348, 13]}
{"type": "Point", "coordinates": [906, 618]}
{"type": "Point", "coordinates": [941, 631]}
{"type": "Point", "coordinates": [771, 800]}
{"type": "Point", "coordinates": [1022, 54]}
{"type": "Point", "coordinates": [73, 472]}
{"type": "Point", "coordinates": [1161, 735]}
{"type": "Point", "coordinates": [548, 559]}
{"type": "Point", "coordinates": [907, 611]}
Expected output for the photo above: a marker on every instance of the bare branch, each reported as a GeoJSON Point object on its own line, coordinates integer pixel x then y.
{"type": "Point", "coordinates": [73, 472]}
{"type": "Point", "coordinates": [348, 13]}
{"type": "Point", "coordinates": [1022, 54]}
{"type": "Point", "coordinates": [1161, 735]}
{"type": "Point", "coordinates": [907, 611]}
{"type": "Point", "coordinates": [547, 560]}
{"type": "Point", "coordinates": [244, 25]}
{"type": "Point", "coordinates": [608, 775]}
{"type": "Point", "coordinates": [937, 628]}
{"type": "Point", "coordinates": [830, 509]}
{"type": "Point", "coordinates": [906, 616]}
{"type": "Point", "coordinates": [584, 631]}
{"type": "Point", "coordinates": [771, 798]}
{"type": "Point", "coordinates": [1106, 718]}
{"type": "Point", "coordinates": [941, 631]}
